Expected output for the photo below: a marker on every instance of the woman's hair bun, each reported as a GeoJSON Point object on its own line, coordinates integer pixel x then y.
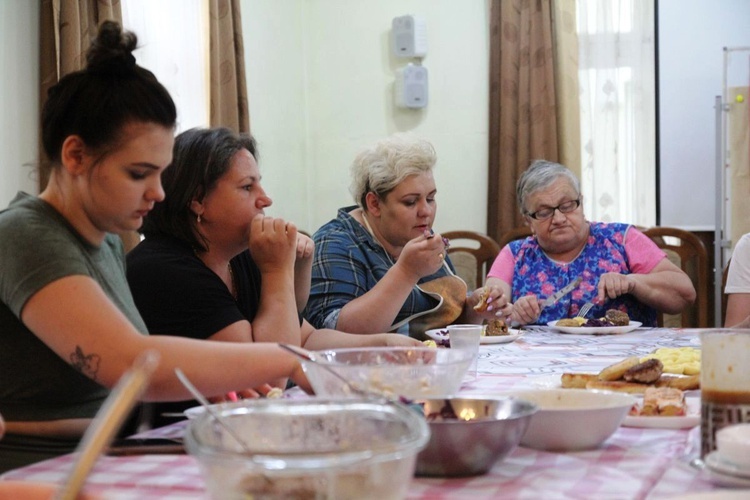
{"type": "Point", "coordinates": [111, 50]}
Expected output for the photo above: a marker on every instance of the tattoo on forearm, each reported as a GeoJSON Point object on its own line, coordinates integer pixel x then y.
{"type": "Point", "coordinates": [86, 364]}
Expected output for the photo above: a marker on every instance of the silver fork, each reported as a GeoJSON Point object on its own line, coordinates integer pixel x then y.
{"type": "Point", "coordinates": [585, 310]}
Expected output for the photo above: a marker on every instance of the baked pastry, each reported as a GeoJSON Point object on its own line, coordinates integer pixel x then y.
{"type": "Point", "coordinates": [663, 401]}
{"type": "Point", "coordinates": [616, 371]}
{"type": "Point", "coordinates": [618, 386]}
{"type": "Point", "coordinates": [482, 304]}
{"type": "Point", "coordinates": [576, 380]}
{"type": "Point", "coordinates": [647, 372]}
{"type": "Point", "coordinates": [689, 383]}
{"type": "Point", "coordinates": [496, 327]}
{"type": "Point", "coordinates": [617, 318]}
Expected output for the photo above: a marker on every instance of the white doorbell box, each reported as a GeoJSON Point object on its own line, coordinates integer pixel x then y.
{"type": "Point", "coordinates": [409, 35]}
{"type": "Point", "coordinates": [411, 86]}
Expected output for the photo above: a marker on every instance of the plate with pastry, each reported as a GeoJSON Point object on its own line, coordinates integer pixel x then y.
{"type": "Point", "coordinates": [664, 408]}
{"type": "Point", "coordinates": [612, 322]}
{"type": "Point", "coordinates": [594, 330]}
{"type": "Point", "coordinates": [494, 332]}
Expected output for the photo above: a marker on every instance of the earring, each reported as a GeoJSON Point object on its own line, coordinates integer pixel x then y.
{"type": "Point", "coordinates": [199, 218]}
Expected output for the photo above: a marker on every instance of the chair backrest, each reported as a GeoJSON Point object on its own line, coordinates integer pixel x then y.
{"type": "Point", "coordinates": [472, 254]}
{"type": "Point", "coordinates": [517, 233]}
{"type": "Point", "coordinates": [689, 253]}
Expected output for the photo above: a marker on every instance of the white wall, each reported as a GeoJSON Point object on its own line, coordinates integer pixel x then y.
{"type": "Point", "coordinates": [320, 85]}
{"type": "Point", "coordinates": [692, 35]}
{"type": "Point", "coordinates": [320, 78]}
{"type": "Point", "coordinates": [19, 56]}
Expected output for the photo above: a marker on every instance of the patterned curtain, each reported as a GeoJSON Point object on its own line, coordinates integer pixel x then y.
{"type": "Point", "coordinates": [567, 88]}
{"type": "Point", "coordinates": [228, 89]}
{"type": "Point", "coordinates": [66, 30]}
{"type": "Point", "coordinates": [523, 123]}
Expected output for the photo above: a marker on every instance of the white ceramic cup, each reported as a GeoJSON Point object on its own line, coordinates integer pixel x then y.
{"type": "Point", "coordinates": [466, 337]}
{"type": "Point", "coordinates": [725, 382]}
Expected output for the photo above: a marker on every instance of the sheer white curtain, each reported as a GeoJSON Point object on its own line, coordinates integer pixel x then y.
{"type": "Point", "coordinates": [617, 80]}
{"type": "Point", "coordinates": [173, 44]}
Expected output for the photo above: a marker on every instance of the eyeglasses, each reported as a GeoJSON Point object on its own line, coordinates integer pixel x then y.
{"type": "Point", "coordinates": [564, 208]}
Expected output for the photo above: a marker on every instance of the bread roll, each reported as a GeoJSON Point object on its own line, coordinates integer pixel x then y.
{"type": "Point", "coordinates": [616, 371]}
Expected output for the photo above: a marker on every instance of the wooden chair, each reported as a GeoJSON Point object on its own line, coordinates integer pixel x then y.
{"type": "Point", "coordinates": [518, 233]}
{"type": "Point", "coordinates": [472, 254]}
{"type": "Point", "coordinates": [689, 253]}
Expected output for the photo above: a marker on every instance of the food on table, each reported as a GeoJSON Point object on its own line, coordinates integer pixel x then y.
{"type": "Point", "coordinates": [574, 322]}
{"type": "Point", "coordinates": [646, 372]}
{"type": "Point", "coordinates": [679, 360]}
{"type": "Point", "coordinates": [429, 343]}
{"type": "Point", "coordinates": [495, 327]}
{"type": "Point", "coordinates": [577, 380]}
{"type": "Point", "coordinates": [613, 317]}
{"type": "Point", "coordinates": [634, 375]}
{"type": "Point", "coordinates": [661, 402]}
{"type": "Point", "coordinates": [617, 370]}
{"type": "Point", "coordinates": [689, 383]}
{"type": "Point", "coordinates": [617, 318]}
{"type": "Point", "coordinates": [481, 306]}
{"type": "Point", "coordinates": [617, 386]}
{"type": "Point", "coordinates": [275, 393]}
{"type": "Point", "coordinates": [446, 413]}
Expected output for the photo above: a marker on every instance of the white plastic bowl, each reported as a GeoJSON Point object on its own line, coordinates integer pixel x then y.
{"type": "Point", "coordinates": [573, 419]}
{"type": "Point", "coordinates": [733, 444]}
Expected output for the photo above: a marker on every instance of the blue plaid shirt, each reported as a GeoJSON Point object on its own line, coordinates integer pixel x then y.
{"type": "Point", "coordinates": [348, 263]}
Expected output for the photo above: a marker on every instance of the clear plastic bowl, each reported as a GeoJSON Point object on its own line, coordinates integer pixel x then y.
{"type": "Point", "coordinates": [390, 371]}
{"type": "Point", "coordinates": [309, 449]}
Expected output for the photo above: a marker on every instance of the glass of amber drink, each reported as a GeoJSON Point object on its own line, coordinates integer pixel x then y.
{"type": "Point", "coordinates": [725, 382]}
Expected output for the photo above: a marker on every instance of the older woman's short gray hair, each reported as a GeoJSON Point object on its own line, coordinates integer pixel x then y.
{"type": "Point", "coordinates": [540, 175]}
{"type": "Point", "coordinates": [383, 166]}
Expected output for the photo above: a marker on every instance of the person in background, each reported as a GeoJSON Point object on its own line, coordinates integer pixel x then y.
{"type": "Point", "coordinates": [214, 266]}
{"type": "Point", "coordinates": [70, 328]}
{"type": "Point", "coordinates": [620, 267]}
{"type": "Point", "coordinates": [379, 266]}
{"type": "Point", "coordinates": [737, 286]}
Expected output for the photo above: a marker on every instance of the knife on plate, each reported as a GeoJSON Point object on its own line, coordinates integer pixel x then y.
{"type": "Point", "coordinates": [561, 292]}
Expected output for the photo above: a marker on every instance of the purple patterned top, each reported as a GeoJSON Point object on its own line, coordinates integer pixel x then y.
{"type": "Point", "coordinates": [534, 273]}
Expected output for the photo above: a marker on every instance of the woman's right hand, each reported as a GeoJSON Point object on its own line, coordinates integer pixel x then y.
{"type": "Point", "coordinates": [526, 310]}
{"type": "Point", "coordinates": [423, 256]}
{"type": "Point", "coordinates": [273, 243]}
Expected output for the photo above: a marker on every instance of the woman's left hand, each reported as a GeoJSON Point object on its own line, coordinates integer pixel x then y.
{"type": "Point", "coordinates": [612, 285]}
{"type": "Point", "coordinates": [496, 302]}
{"type": "Point", "coordinates": [305, 246]}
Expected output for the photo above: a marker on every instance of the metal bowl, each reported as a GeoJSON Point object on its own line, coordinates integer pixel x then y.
{"type": "Point", "coordinates": [391, 371]}
{"type": "Point", "coordinates": [483, 432]}
{"type": "Point", "coordinates": [309, 448]}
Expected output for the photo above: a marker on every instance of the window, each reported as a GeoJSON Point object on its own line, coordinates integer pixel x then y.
{"type": "Point", "coordinates": [618, 110]}
{"type": "Point", "coordinates": [173, 44]}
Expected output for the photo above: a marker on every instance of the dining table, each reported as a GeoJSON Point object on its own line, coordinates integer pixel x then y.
{"type": "Point", "coordinates": [633, 463]}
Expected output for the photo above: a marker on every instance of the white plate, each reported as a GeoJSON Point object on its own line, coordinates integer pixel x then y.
{"type": "Point", "coordinates": [718, 463]}
{"type": "Point", "coordinates": [719, 478]}
{"type": "Point", "coordinates": [690, 420]}
{"type": "Point", "coordinates": [442, 334]}
{"type": "Point", "coordinates": [595, 330]}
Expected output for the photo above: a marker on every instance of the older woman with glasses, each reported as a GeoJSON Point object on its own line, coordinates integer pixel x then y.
{"type": "Point", "coordinates": [620, 268]}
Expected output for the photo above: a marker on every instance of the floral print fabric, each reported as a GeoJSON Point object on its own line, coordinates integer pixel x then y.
{"type": "Point", "coordinates": [536, 274]}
